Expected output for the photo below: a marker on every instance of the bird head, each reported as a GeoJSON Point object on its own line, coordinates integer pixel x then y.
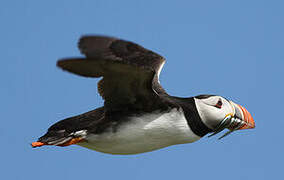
{"type": "Point", "coordinates": [218, 113]}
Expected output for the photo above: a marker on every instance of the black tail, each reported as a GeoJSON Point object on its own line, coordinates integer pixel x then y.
{"type": "Point", "coordinates": [71, 130]}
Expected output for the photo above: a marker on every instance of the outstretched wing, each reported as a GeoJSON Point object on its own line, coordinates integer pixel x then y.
{"type": "Point", "coordinates": [130, 72]}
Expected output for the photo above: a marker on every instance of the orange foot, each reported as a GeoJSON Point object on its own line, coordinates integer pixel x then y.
{"type": "Point", "coordinates": [37, 144]}
{"type": "Point", "coordinates": [70, 142]}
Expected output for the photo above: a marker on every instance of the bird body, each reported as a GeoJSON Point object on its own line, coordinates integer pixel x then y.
{"type": "Point", "coordinates": [143, 133]}
{"type": "Point", "coordinates": [138, 114]}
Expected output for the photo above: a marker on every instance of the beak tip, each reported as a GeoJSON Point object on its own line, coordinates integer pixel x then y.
{"type": "Point", "coordinates": [250, 124]}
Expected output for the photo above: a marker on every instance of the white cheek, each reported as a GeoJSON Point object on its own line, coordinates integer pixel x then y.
{"type": "Point", "coordinates": [210, 115]}
{"type": "Point", "coordinates": [227, 108]}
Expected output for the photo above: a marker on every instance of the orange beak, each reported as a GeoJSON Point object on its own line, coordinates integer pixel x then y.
{"type": "Point", "coordinates": [244, 115]}
{"type": "Point", "coordinates": [239, 119]}
{"type": "Point", "coordinates": [247, 118]}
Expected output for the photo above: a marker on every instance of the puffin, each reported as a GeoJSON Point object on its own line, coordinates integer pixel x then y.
{"type": "Point", "coordinates": [138, 115]}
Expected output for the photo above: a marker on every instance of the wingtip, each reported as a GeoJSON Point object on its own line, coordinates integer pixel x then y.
{"type": "Point", "coordinates": [68, 63]}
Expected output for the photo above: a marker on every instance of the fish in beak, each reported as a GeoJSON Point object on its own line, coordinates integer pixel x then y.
{"type": "Point", "coordinates": [239, 119]}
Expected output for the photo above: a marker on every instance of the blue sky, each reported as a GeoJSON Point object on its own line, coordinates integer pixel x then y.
{"type": "Point", "coordinates": [230, 48]}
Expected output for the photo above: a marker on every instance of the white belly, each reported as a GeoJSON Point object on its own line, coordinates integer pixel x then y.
{"type": "Point", "coordinates": [144, 133]}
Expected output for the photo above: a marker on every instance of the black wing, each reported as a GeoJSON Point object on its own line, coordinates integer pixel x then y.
{"type": "Point", "coordinates": [130, 72]}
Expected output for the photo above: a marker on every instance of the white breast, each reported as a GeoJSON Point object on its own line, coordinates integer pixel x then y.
{"type": "Point", "coordinates": [144, 133]}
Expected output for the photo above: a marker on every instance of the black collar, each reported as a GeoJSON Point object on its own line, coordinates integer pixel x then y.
{"type": "Point", "coordinates": [192, 116]}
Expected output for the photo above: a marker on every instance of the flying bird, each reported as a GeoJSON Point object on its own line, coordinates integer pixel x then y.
{"type": "Point", "coordinates": [138, 114]}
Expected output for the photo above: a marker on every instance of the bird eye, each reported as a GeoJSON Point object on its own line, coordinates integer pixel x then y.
{"type": "Point", "coordinates": [219, 104]}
